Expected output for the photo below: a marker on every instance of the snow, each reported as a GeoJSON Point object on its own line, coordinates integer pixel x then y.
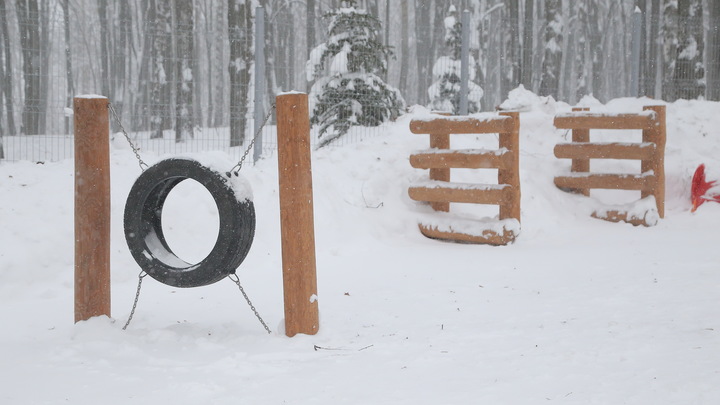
{"type": "Point", "coordinates": [576, 311]}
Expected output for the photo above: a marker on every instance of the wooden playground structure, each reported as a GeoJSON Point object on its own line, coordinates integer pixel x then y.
{"type": "Point", "coordinates": [439, 191]}
{"type": "Point", "coordinates": [651, 153]}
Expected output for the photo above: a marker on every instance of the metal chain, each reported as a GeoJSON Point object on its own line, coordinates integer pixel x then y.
{"type": "Point", "coordinates": [137, 297]}
{"type": "Point", "coordinates": [252, 142]}
{"type": "Point", "coordinates": [135, 149]}
{"type": "Point", "coordinates": [235, 279]}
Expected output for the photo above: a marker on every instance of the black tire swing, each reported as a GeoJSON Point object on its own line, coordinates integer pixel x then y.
{"type": "Point", "coordinates": [144, 233]}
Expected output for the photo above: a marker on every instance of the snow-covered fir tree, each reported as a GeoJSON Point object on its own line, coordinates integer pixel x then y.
{"type": "Point", "coordinates": [445, 91]}
{"type": "Point", "coordinates": [348, 90]}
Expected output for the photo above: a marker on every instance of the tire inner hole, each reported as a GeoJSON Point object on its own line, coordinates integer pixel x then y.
{"type": "Point", "coordinates": [190, 221]}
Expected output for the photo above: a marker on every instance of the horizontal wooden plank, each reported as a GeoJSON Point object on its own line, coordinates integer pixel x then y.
{"type": "Point", "coordinates": [463, 125]}
{"type": "Point", "coordinates": [460, 192]}
{"type": "Point", "coordinates": [648, 219]}
{"type": "Point", "coordinates": [588, 120]}
{"type": "Point", "coordinates": [605, 181]}
{"type": "Point", "coordinates": [463, 159]}
{"type": "Point", "coordinates": [488, 237]}
{"type": "Point", "coordinates": [597, 150]}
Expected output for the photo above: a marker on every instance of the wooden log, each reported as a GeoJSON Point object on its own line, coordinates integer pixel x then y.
{"type": "Point", "coordinates": [462, 193]}
{"type": "Point", "coordinates": [488, 237]}
{"type": "Point", "coordinates": [611, 150]}
{"type": "Point", "coordinates": [92, 207]}
{"type": "Point", "coordinates": [605, 181]}
{"type": "Point", "coordinates": [510, 140]}
{"type": "Point", "coordinates": [624, 216]}
{"type": "Point", "coordinates": [463, 125]}
{"type": "Point", "coordinates": [587, 120]}
{"type": "Point", "coordinates": [296, 215]}
{"type": "Point", "coordinates": [462, 159]}
{"type": "Point", "coordinates": [657, 135]}
{"type": "Point", "coordinates": [580, 165]}
{"type": "Point", "coordinates": [440, 141]}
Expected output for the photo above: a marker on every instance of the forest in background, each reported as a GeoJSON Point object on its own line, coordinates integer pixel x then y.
{"type": "Point", "coordinates": [188, 64]}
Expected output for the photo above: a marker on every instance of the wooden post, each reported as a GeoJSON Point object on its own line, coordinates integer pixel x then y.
{"type": "Point", "coordinates": [440, 141]}
{"type": "Point", "coordinates": [656, 135]}
{"type": "Point", "coordinates": [511, 175]}
{"type": "Point", "coordinates": [296, 215]}
{"type": "Point", "coordinates": [581, 165]}
{"type": "Point", "coordinates": [92, 207]}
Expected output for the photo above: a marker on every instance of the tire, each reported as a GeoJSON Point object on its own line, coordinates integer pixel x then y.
{"type": "Point", "coordinates": [143, 225]}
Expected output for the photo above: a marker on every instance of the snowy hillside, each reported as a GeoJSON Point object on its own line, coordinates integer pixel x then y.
{"type": "Point", "coordinates": [576, 311]}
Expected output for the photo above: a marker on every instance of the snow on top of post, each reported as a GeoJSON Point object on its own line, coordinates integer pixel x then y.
{"type": "Point", "coordinates": [291, 92]}
{"type": "Point", "coordinates": [90, 96]}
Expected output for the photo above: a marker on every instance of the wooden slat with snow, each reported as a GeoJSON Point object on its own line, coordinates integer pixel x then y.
{"type": "Point", "coordinates": [437, 191]}
{"type": "Point", "coordinates": [598, 150]}
{"type": "Point", "coordinates": [588, 120]}
{"type": "Point", "coordinates": [606, 181]}
{"type": "Point", "coordinates": [488, 237]}
{"type": "Point", "coordinates": [466, 125]}
{"type": "Point", "coordinates": [463, 159]}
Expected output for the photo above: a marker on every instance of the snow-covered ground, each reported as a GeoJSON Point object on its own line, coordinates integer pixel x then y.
{"type": "Point", "coordinates": [576, 311]}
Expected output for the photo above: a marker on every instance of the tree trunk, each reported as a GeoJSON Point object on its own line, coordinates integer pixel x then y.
{"type": "Point", "coordinates": [713, 57]}
{"type": "Point", "coordinates": [184, 74]}
{"type": "Point", "coordinates": [653, 64]}
{"type": "Point", "coordinates": [29, 27]}
{"type": "Point", "coordinates": [511, 75]}
{"type": "Point", "coordinates": [162, 71]}
{"type": "Point", "coordinates": [104, 50]}
{"type": "Point", "coordinates": [528, 35]}
{"type": "Point", "coordinates": [553, 49]}
{"type": "Point", "coordinates": [404, 47]}
{"type": "Point", "coordinates": [424, 49]}
{"type": "Point", "coordinates": [70, 92]}
{"type": "Point", "coordinates": [310, 33]}
{"type": "Point", "coordinates": [581, 54]}
{"type": "Point", "coordinates": [8, 78]}
{"type": "Point", "coordinates": [240, 37]}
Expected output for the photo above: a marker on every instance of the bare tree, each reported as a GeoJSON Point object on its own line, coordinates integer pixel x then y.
{"type": "Point", "coordinates": [553, 48]}
{"type": "Point", "coordinates": [28, 14]}
{"type": "Point", "coordinates": [162, 68]}
{"type": "Point", "coordinates": [240, 35]}
{"type": "Point", "coordinates": [528, 34]}
{"type": "Point", "coordinates": [184, 73]}
{"type": "Point", "coordinates": [8, 77]}
{"type": "Point", "coordinates": [511, 67]}
{"type": "Point", "coordinates": [713, 57]}
{"type": "Point", "coordinates": [423, 39]}
{"type": "Point", "coordinates": [689, 69]}
{"type": "Point", "coordinates": [68, 64]}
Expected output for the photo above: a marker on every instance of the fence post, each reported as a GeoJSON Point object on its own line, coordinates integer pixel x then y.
{"type": "Point", "coordinates": [657, 135]}
{"type": "Point", "coordinates": [511, 176]}
{"type": "Point", "coordinates": [259, 112]}
{"type": "Point", "coordinates": [580, 165]}
{"type": "Point", "coordinates": [92, 207]}
{"type": "Point", "coordinates": [464, 62]}
{"type": "Point", "coordinates": [635, 53]}
{"type": "Point", "coordinates": [296, 215]}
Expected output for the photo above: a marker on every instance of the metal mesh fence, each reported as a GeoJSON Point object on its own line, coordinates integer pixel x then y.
{"type": "Point", "coordinates": [183, 79]}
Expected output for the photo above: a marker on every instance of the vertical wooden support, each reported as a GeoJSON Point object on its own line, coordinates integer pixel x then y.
{"type": "Point", "coordinates": [581, 165]}
{"type": "Point", "coordinates": [296, 215]}
{"type": "Point", "coordinates": [440, 141]}
{"type": "Point", "coordinates": [657, 135]}
{"type": "Point", "coordinates": [92, 207]}
{"type": "Point", "coordinates": [511, 175]}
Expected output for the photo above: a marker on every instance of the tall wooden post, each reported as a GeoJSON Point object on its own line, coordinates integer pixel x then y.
{"type": "Point", "coordinates": [92, 207]}
{"type": "Point", "coordinates": [440, 141]}
{"type": "Point", "coordinates": [657, 135]}
{"type": "Point", "coordinates": [296, 215]}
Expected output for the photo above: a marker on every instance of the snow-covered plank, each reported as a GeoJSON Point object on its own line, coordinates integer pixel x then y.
{"type": "Point", "coordinates": [483, 231]}
{"type": "Point", "coordinates": [643, 181]}
{"type": "Point", "coordinates": [464, 125]}
{"type": "Point", "coordinates": [642, 212]}
{"type": "Point", "coordinates": [610, 150]}
{"type": "Point", "coordinates": [441, 191]}
{"type": "Point", "coordinates": [588, 120]}
{"type": "Point", "coordinates": [462, 158]}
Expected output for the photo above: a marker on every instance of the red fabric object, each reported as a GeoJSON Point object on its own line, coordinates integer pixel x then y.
{"type": "Point", "coordinates": [700, 187]}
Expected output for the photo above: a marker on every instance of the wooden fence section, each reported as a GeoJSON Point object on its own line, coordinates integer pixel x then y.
{"type": "Point", "coordinates": [651, 152]}
{"type": "Point", "coordinates": [440, 192]}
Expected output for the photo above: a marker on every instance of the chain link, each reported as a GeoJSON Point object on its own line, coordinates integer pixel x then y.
{"type": "Point", "coordinates": [252, 142]}
{"type": "Point", "coordinates": [235, 279]}
{"type": "Point", "coordinates": [137, 297]}
{"type": "Point", "coordinates": [135, 149]}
